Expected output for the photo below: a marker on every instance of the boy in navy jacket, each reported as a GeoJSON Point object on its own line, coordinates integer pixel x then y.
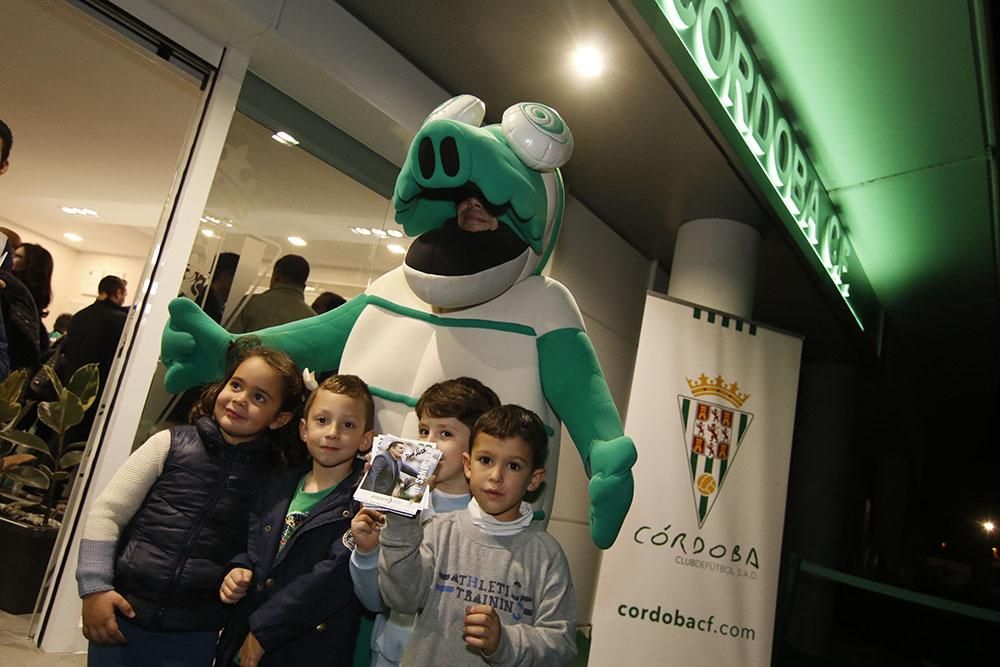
{"type": "Point", "coordinates": [293, 586]}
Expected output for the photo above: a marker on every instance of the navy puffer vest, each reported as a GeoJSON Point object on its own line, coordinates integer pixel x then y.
{"type": "Point", "coordinates": [192, 523]}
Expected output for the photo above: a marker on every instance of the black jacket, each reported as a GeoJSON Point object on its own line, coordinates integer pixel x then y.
{"type": "Point", "coordinates": [173, 554]}
{"type": "Point", "coordinates": [93, 337]}
{"type": "Point", "coordinates": [23, 325]}
{"type": "Point", "coordinates": [301, 605]}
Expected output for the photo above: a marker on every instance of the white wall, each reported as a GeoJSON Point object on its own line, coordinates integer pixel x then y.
{"type": "Point", "coordinates": [608, 278]}
{"type": "Point", "coordinates": [75, 274]}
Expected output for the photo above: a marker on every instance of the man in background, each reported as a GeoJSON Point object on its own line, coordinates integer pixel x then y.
{"type": "Point", "coordinates": [283, 302]}
{"type": "Point", "coordinates": [93, 338]}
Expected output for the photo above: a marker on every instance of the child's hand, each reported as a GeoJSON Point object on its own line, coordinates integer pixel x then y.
{"type": "Point", "coordinates": [365, 527]}
{"type": "Point", "coordinates": [251, 652]}
{"type": "Point", "coordinates": [99, 624]}
{"type": "Point", "coordinates": [234, 586]}
{"type": "Point", "coordinates": [482, 628]}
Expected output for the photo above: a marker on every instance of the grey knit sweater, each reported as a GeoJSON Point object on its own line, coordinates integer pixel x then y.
{"type": "Point", "coordinates": [454, 564]}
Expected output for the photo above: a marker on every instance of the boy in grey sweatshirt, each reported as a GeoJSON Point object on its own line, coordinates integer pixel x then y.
{"type": "Point", "coordinates": [491, 588]}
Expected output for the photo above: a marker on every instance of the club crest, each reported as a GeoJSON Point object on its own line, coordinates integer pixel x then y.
{"type": "Point", "coordinates": [714, 426]}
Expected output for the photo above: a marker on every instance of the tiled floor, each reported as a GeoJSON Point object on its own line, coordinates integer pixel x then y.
{"type": "Point", "coordinates": [16, 650]}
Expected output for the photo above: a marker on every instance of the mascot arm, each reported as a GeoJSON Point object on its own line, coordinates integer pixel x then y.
{"type": "Point", "coordinates": [193, 347]}
{"type": "Point", "coordinates": [575, 388]}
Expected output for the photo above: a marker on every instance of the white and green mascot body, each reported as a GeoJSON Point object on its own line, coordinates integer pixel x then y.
{"type": "Point", "coordinates": [463, 303]}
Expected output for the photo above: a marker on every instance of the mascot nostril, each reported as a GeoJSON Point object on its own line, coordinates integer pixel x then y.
{"type": "Point", "coordinates": [426, 157]}
{"type": "Point", "coordinates": [449, 156]}
{"type": "Point", "coordinates": [469, 300]}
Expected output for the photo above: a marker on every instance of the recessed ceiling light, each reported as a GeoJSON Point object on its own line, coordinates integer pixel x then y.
{"type": "Point", "coordinates": [396, 249]}
{"type": "Point", "coordinates": [381, 233]}
{"type": "Point", "coordinates": [297, 240]}
{"type": "Point", "coordinates": [362, 231]}
{"type": "Point", "coordinates": [395, 233]}
{"type": "Point", "coordinates": [75, 238]}
{"type": "Point", "coordinates": [283, 137]}
{"type": "Point", "coordinates": [73, 210]}
{"type": "Point", "coordinates": [208, 232]}
{"type": "Point", "coordinates": [588, 61]}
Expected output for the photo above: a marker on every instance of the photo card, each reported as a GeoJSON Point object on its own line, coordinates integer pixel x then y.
{"type": "Point", "coordinates": [396, 480]}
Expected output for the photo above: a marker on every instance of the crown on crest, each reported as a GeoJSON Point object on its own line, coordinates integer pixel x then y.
{"type": "Point", "coordinates": [718, 387]}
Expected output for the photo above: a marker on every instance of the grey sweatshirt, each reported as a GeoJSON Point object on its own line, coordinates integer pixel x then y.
{"type": "Point", "coordinates": [449, 564]}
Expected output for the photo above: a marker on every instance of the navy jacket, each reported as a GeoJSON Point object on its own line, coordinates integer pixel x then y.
{"type": "Point", "coordinates": [174, 552]}
{"type": "Point", "coordinates": [301, 605]}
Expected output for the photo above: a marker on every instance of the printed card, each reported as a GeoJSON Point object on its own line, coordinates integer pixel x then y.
{"type": "Point", "coordinates": [397, 479]}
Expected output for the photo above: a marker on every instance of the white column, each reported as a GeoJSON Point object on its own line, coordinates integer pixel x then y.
{"type": "Point", "coordinates": [715, 265]}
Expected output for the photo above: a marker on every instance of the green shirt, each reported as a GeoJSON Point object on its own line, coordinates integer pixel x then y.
{"type": "Point", "coordinates": [302, 504]}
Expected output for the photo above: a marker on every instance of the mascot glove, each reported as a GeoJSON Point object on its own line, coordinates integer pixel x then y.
{"type": "Point", "coordinates": [193, 347]}
{"type": "Point", "coordinates": [611, 487]}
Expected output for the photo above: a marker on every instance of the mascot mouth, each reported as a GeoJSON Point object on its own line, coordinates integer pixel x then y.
{"type": "Point", "coordinates": [450, 251]}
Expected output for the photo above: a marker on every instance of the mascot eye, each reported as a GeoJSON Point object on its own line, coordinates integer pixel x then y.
{"type": "Point", "coordinates": [538, 135]}
{"type": "Point", "coordinates": [467, 109]}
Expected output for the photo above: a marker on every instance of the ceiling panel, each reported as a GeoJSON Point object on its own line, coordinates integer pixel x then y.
{"type": "Point", "coordinates": [927, 236]}
{"type": "Point", "coordinates": [876, 88]}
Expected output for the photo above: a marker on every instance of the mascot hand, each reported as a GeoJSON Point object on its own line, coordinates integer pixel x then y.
{"type": "Point", "coordinates": [193, 347]}
{"type": "Point", "coordinates": [611, 487]}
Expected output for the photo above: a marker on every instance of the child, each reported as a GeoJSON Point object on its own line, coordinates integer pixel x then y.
{"type": "Point", "coordinates": [446, 411]}
{"type": "Point", "coordinates": [491, 586]}
{"type": "Point", "coordinates": [298, 605]}
{"type": "Point", "coordinates": [158, 538]}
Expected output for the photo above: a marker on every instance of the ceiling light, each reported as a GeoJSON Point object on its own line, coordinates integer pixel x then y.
{"type": "Point", "coordinates": [208, 232]}
{"type": "Point", "coordinates": [297, 240]}
{"type": "Point", "coordinates": [362, 231]}
{"type": "Point", "coordinates": [381, 233]}
{"type": "Point", "coordinates": [310, 288]}
{"type": "Point", "coordinates": [588, 61]}
{"type": "Point", "coordinates": [396, 249]}
{"type": "Point", "coordinates": [395, 233]}
{"type": "Point", "coordinates": [73, 210]}
{"type": "Point", "coordinates": [285, 138]}
{"type": "Point", "coordinates": [75, 238]}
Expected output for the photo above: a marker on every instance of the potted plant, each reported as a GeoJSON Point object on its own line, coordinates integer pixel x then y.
{"type": "Point", "coordinates": [35, 468]}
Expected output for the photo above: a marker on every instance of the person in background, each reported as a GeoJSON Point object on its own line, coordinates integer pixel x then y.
{"type": "Point", "coordinates": [327, 301]}
{"type": "Point", "coordinates": [222, 283]}
{"type": "Point", "coordinates": [283, 302]}
{"type": "Point", "coordinates": [93, 338]}
{"type": "Point", "coordinates": [33, 266]}
{"type": "Point", "coordinates": [60, 327]}
{"type": "Point", "coordinates": [158, 539]}
{"type": "Point", "coordinates": [6, 141]}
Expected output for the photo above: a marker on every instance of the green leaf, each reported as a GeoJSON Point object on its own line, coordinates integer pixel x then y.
{"type": "Point", "coordinates": [45, 469]}
{"type": "Point", "coordinates": [60, 476]}
{"type": "Point", "coordinates": [81, 445]}
{"type": "Point", "coordinates": [61, 414]}
{"type": "Point", "coordinates": [70, 459]}
{"type": "Point", "coordinates": [53, 378]}
{"type": "Point", "coordinates": [8, 411]}
{"type": "Point", "coordinates": [13, 385]}
{"type": "Point", "coordinates": [29, 476]}
{"type": "Point", "coordinates": [28, 441]}
{"type": "Point", "coordinates": [25, 409]}
{"type": "Point", "coordinates": [85, 383]}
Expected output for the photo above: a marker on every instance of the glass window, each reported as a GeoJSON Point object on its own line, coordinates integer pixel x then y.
{"type": "Point", "coordinates": [280, 194]}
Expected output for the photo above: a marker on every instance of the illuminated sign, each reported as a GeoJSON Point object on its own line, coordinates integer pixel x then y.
{"type": "Point", "coordinates": [708, 32]}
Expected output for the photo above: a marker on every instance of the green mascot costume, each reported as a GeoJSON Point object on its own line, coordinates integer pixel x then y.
{"type": "Point", "coordinates": [484, 205]}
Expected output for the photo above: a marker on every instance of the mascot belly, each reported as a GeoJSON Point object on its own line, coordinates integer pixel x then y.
{"type": "Point", "coordinates": [468, 300]}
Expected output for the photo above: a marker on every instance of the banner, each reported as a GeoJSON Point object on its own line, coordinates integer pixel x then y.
{"type": "Point", "coordinates": [693, 577]}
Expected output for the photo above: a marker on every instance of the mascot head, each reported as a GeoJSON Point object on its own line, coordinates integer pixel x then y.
{"type": "Point", "coordinates": [484, 203]}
